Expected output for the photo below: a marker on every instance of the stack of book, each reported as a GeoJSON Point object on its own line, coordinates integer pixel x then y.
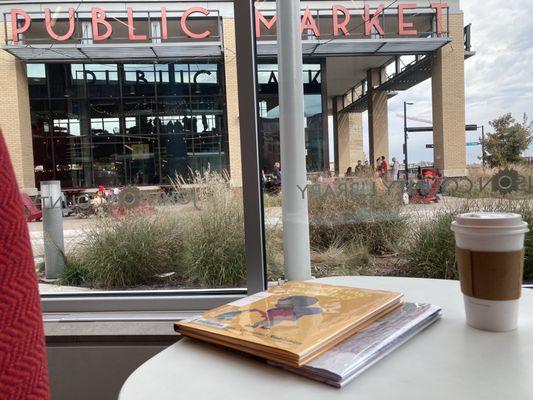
{"type": "Point", "coordinates": [323, 332]}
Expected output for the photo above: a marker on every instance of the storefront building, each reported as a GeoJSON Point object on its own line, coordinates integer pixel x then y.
{"type": "Point", "coordinates": [140, 93]}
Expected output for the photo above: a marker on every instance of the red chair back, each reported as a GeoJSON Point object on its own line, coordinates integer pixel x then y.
{"type": "Point", "coordinates": [23, 372]}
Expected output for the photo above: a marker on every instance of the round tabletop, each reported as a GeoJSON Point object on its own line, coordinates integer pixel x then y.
{"type": "Point", "coordinates": [449, 360]}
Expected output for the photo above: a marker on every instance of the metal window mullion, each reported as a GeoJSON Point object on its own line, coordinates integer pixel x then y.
{"type": "Point", "coordinates": [248, 114]}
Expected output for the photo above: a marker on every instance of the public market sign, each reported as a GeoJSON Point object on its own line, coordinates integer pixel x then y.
{"type": "Point", "coordinates": [341, 16]}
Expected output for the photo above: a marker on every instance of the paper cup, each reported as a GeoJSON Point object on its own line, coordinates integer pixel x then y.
{"type": "Point", "coordinates": [490, 259]}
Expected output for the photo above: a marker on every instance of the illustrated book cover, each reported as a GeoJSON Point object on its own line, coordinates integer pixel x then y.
{"type": "Point", "coordinates": [293, 323]}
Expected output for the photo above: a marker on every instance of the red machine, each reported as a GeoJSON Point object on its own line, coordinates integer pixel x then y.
{"type": "Point", "coordinates": [425, 191]}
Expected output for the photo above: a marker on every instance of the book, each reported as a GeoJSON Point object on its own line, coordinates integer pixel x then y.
{"type": "Point", "coordinates": [349, 359]}
{"type": "Point", "coordinates": [293, 323]}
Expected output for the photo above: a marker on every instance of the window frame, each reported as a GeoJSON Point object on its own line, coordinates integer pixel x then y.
{"type": "Point", "coordinates": [59, 306]}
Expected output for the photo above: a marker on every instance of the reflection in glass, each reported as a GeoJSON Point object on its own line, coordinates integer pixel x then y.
{"type": "Point", "coordinates": [139, 80]}
{"type": "Point", "coordinates": [114, 124]}
{"type": "Point", "coordinates": [37, 83]}
{"type": "Point", "coordinates": [102, 80]}
{"type": "Point", "coordinates": [36, 70]}
{"type": "Point", "coordinates": [64, 82]}
{"type": "Point", "coordinates": [269, 116]}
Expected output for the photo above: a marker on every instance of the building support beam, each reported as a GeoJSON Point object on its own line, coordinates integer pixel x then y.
{"type": "Point", "coordinates": [232, 103]}
{"type": "Point", "coordinates": [15, 121]}
{"type": "Point", "coordinates": [296, 245]}
{"type": "Point", "coordinates": [350, 140]}
{"type": "Point", "coordinates": [335, 114]}
{"type": "Point", "coordinates": [378, 119]}
{"type": "Point", "coordinates": [448, 91]}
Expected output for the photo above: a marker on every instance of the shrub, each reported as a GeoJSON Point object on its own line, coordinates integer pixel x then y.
{"type": "Point", "coordinates": [271, 200]}
{"type": "Point", "coordinates": [214, 252]}
{"type": "Point", "coordinates": [337, 259]}
{"type": "Point", "coordinates": [75, 274]}
{"type": "Point", "coordinates": [130, 250]}
{"type": "Point", "coordinates": [430, 251]}
{"type": "Point", "coordinates": [373, 221]}
{"type": "Point", "coordinates": [274, 252]}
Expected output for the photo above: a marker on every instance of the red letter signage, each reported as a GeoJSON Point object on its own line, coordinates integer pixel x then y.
{"type": "Point", "coordinates": [406, 28]}
{"type": "Point", "coordinates": [102, 28]}
{"type": "Point", "coordinates": [131, 28]}
{"type": "Point", "coordinates": [15, 29]}
{"type": "Point", "coordinates": [183, 23]}
{"type": "Point", "coordinates": [373, 22]}
{"type": "Point", "coordinates": [98, 18]}
{"type": "Point", "coordinates": [308, 22]}
{"type": "Point", "coordinates": [342, 25]}
{"type": "Point", "coordinates": [164, 28]}
{"type": "Point", "coordinates": [439, 7]}
{"type": "Point", "coordinates": [49, 27]}
{"type": "Point", "coordinates": [260, 19]}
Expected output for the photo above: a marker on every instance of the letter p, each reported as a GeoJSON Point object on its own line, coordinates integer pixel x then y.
{"type": "Point", "coordinates": [15, 29]}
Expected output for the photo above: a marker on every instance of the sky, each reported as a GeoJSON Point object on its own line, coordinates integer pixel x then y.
{"type": "Point", "coordinates": [498, 79]}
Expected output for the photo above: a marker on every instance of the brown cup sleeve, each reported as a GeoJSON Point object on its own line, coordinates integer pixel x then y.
{"type": "Point", "coordinates": [491, 275]}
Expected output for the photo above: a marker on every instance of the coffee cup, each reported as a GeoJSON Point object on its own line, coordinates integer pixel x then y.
{"type": "Point", "coordinates": [490, 259]}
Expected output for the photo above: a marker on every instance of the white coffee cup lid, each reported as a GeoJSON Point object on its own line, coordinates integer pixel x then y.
{"type": "Point", "coordinates": [490, 219]}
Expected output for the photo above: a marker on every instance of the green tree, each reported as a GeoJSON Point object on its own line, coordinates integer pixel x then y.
{"type": "Point", "coordinates": [508, 141]}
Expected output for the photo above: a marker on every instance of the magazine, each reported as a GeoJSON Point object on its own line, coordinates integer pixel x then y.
{"type": "Point", "coordinates": [350, 358]}
{"type": "Point", "coordinates": [293, 323]}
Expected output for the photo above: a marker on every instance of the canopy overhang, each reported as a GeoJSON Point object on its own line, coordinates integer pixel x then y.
{"type": "Point", "coordinates": [370, 47]}
{"type": "Point", "coordinates": [116, 52]}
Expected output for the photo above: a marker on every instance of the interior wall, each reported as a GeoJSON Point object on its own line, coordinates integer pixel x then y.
{"type": "Point", "coordinates": [95, 370]}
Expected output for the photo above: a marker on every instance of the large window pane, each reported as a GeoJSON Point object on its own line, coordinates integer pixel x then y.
{"type": "Point", "coordinates": [389, 160]}
{"type": "Point", "coordinates": [72, 148]}
{"type": "Point", "coordinates": [102, 80]}
{"type": "Point", "coordinates": [161, 128]}
{"type": "Point", "coordinates": [269, 116]}
{"type": "Point", "coordinates": [66, 80]}
{"type": "Point", "coordinates": [139, 80]}
{"type": "Point", "coordinates": [37, 81]}
{"type": "Point", "coordinates": [107, 143]}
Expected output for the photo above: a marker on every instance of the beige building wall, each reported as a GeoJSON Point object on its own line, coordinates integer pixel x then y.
{"type": "Point", "coordinates": [448, 90]}
{"type": "Point", "coordinates": [15, 121]}
{"type": "Point", "coordinates": [350, 140]}
{"type": "Point", "coordinates": [232, 103]}
{"type": "Point", "coordinates": [378, 118]}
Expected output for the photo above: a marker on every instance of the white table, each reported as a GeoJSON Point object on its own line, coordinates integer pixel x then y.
{"type": "Point", "coordinates": [447, 361]}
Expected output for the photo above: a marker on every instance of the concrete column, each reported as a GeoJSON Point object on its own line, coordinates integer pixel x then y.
{"type": "Point", "coordinates": [232, 103]}
{"type": "Point", "coordinates": [350, 140]}
{"type": "Point", "coordinates": [54, 244]}
{"type": "Point", "coordinates": [15, 121]}
{"type": "Point", "coordinates": [448, 89]}
{"type": "Point", "coordinates": [296, 247]}
{"type": "Point", "coordinates": [378, 119]}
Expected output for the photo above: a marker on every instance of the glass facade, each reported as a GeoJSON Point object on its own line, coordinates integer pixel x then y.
{"type": "Point", "coordinates": [141, 124]}
{"type": "Point", "coordinates": [120, 124]}
{"type": "Point", "coordinates": [315, 137]}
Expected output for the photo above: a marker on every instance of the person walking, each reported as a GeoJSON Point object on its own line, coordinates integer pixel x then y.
{"type": "Point", "coordinates": [277, 173]}
{"type": "Point", "coordinates": [359, 168]}
{"type": "Point", "coordinates": [384, 167]}
{"type": "Point", "coordinates": [349, 172]}
{"type": "Point", "coordinates": [395, 169]}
